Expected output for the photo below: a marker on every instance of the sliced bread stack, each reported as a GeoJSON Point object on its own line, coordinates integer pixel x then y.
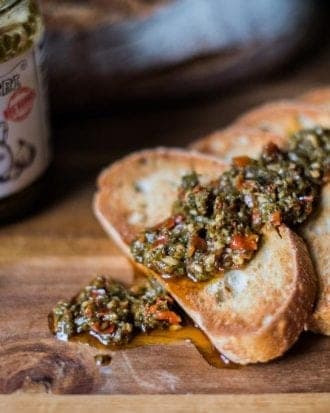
{"type": "Point", "coordinates": [256, 313]}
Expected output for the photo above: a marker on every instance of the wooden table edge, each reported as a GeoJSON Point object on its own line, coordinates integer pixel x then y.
{"type": "Point", "coordinates": [192, 403]}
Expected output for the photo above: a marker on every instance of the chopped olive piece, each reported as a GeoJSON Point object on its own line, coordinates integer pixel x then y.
{"type": "Point", "coordinates": [217, 226]}
{"type": "Point", "coordinates": [113, 313]}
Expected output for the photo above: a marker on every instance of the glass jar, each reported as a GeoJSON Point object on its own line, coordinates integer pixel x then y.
{"type": "Point", "coordinates": [24, 131]}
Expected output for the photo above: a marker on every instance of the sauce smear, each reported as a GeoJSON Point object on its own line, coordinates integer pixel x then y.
{"type": "Point", "coordinates": [165, 337]}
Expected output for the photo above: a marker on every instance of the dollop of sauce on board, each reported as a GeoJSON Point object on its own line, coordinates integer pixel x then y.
{"type": "Point", "coordinates": [111, 317]}
{"type": "Point", "coordinates": [113, 313]}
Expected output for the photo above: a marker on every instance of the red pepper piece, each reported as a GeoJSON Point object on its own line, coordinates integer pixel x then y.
{"type": "Point", "coordinates": [241, 161]}
{"type": "Point", "coordinates": [244, 242]}
{"type": "Point", "coordinates": [169, 316]}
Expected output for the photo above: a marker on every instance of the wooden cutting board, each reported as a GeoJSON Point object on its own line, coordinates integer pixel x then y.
{"type": "Point", "coordinates": [54, 251]}
{"type": "Point", "coordinates": [36, 271]}
{"type": "Point", "coordinates": [49, 257]}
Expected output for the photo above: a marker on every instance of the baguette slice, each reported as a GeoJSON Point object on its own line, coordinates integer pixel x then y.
{"type": "Point", "coordinates": [251, 315]}
{"type": "Point", "coordinates": [235, 141]}
{"type": "Point", "coordinates": [316, 232]}
{"type": "Point", "coordinates": [285, 117]}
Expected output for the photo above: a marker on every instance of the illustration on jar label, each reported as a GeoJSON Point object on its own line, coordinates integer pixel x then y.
{"type": "Point", "coordinates": [24, 138]}
{"type": "Point", "coordinates": [14, 160]}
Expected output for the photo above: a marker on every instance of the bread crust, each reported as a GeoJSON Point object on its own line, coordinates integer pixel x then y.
{"type": "Point", "coordinates": [316, 233]}
{"type": "Point", "coordinates": [285, 117]}
{"type": "Point", "coordinates": [235, 141]}
{"type": "Point", "coordinates": [274, 316]}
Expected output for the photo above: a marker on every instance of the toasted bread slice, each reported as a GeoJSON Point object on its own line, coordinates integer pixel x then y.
{"type": "Point", "coordinates": [251, 315]}
{"type": "Point", "coordinates": [235, 141]}
{"type": "Point", "coordinates": [285, 117]}
{"type": "Point", "coordinates": [316, 231]}
{"type": "Point", "coordinates": [317, 234]}
{"type": "Point", "coordinates": [320, 97]}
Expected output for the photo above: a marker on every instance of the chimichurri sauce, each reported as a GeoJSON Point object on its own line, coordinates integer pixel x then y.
{"type": "Point", "coordinates": [218, 226]}
{"type": "Point", "coordinates": [112, 313]}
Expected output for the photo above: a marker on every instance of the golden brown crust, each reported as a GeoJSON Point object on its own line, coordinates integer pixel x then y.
{"type": "Point", "coordinates": [235, 141]}
{"type": "Point", "coordinates": [251, 315]}
{"type": "Point", "coordinates": [285, 117]}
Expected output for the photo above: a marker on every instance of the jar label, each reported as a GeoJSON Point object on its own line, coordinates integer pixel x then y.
{"type": "Point", "coordinates": [24, 132]}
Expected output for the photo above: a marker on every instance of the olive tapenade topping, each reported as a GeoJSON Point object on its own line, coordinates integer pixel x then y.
{"type": "Point", "coordinates": [113, 313]}
{"type": "Point", "coordinates": [218, 226]}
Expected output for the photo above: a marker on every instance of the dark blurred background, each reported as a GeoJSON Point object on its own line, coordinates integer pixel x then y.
{"type": "Point", "coordinates": [127, 74]}
{"type": "Point", "coordinates": [114, 51]}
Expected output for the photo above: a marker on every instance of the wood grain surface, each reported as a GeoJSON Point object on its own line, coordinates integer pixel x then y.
{"type": "Point", "coordinates": [51, 253]}
{"type": "Point", "coordinates": [284, 403]}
